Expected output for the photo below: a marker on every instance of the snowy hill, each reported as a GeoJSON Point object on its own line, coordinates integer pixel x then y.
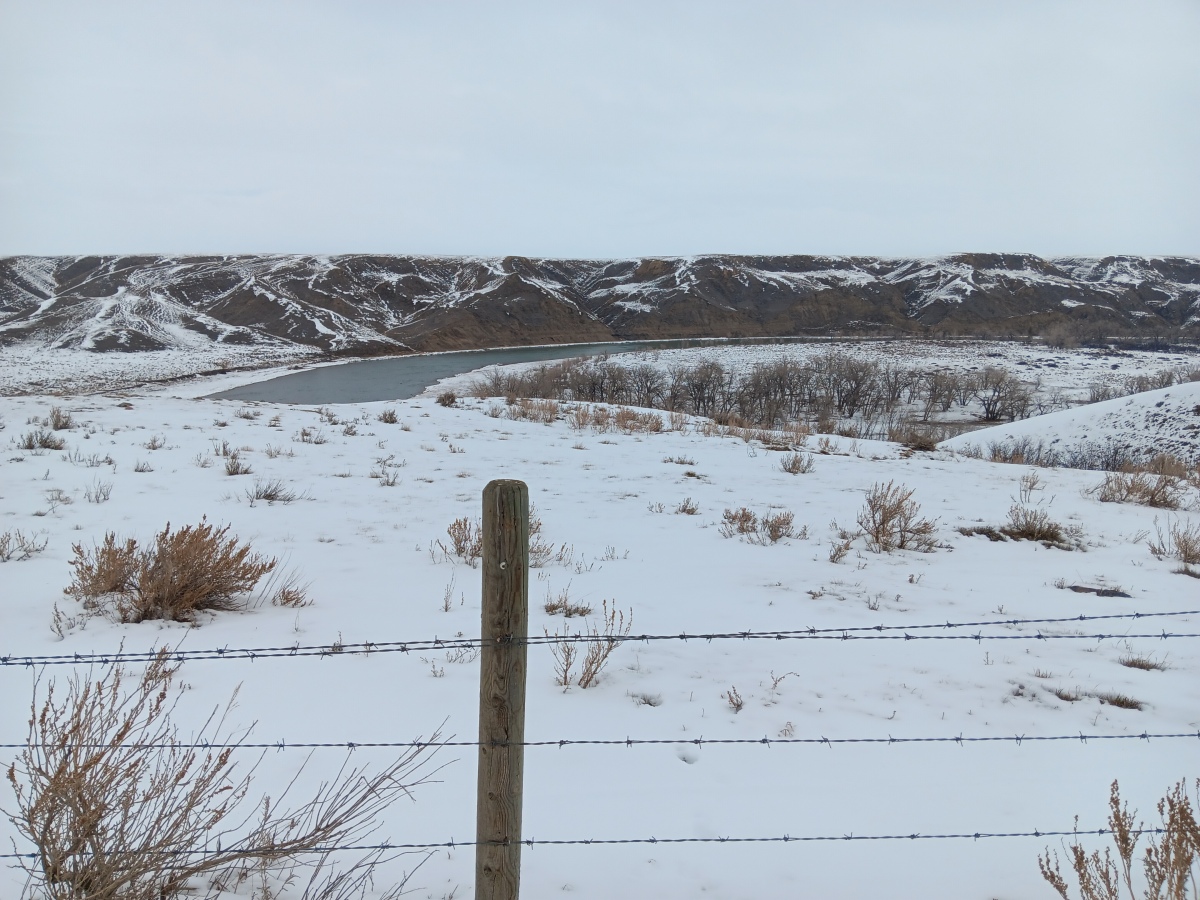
{"type": "Point", "coordinates": [1139, 426]}
{"type": "Point", "coordinates": [373, 304]}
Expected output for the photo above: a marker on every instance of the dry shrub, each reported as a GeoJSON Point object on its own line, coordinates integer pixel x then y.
{"type": "Point", "coordinates": [466, 540]}
{"type": "Point", "coordinates": [564, 650]}
{"type": "Point", "coordinates": [59, 420]}
{"type": "Point", "coordinates": [235, 466]}
{"type": "Point", "coordinates": [564, 605]}
{"type": "Point", "coordinates": [687, 508]}
{"type": "Point", "coordinates": [1161, 491]}
{"type": "Point", "coordinates": [991, 532]}
{"type": "Point", "coordinates": [840, 548]}
{"type": "Point", "coordinates": [447, 398]}
{"type": "Point", "coordinates": [734, 699]}
{"type": "Point", "coordinates": [914, 438]}
{"type": "Point", "coordinates": [41, 439]}
{"type": "Point", "coordinates": [1182, 542]}
{"type": "Point", "coordinates": [1028, 523]}
{"type": "Point", "coordinates": [1168, 863]}
{"type": "Point", "coordinates": [543, 411]}
{"type": "Point", "coordinates": [287, 590]}
{"type": "Point", "coordinates": [273, 491]}
{"type": "Point", "coordinates": [580, 417]}
{"type": "Point", "coordinates": [108, 568]}
{"type": "Point", "coordinates": [738, 521]}
{"type": "Point", "coordinates": [770, 528]}
{"type": "Point", "coordinates": [118, 804]}
{"type": "Point", "coordinates": [797, 463]}
{"type": "Point", "coordinates": [15, 545]}
{"type": "Point", "coordinates": [197, 568]}
{"type": "Point", "coordinates": [605, 638]}
{"type": "Point", "coordinates": [891, 520]}
{"type": "Point", "coordinates": [629, 421]}
{"type": "Point", "coordinates": [388, 417]}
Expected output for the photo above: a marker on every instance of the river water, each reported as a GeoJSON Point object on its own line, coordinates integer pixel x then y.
{"type": "Point", "coordinates": [401, 377]}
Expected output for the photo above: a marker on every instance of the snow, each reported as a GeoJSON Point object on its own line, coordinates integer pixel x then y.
{"type": "Point", "coordinates": [1151, 422]}
{"type": "Point", "coordinates": [365, 550]}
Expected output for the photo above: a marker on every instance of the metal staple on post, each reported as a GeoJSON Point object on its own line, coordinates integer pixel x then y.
{"type": "Point", "coordinates": [505, 629]}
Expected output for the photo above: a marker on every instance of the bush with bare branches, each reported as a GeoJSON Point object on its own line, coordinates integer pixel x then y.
{"type": "Point", "coordinates": [1181, 542]}
{"type": "Point", "coordinates": [605, 634]}
{"type": "Point", "coordinates": [117, 804]}
{"type": "Point", "coordinates": [1160, 491]}
{"type": "Point", "coordinates": [891, 520]}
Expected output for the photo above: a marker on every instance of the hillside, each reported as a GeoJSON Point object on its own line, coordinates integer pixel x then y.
{"type": "Point", "coordinates": [392, 304]}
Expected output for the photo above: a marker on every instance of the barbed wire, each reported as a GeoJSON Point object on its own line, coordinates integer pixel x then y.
{"type": "Point", "coordinates": [1016, 739]}
{"type": "Point", "coordinates": [850, 633]}
{"type": "Point", "coordinates": [559, 842]}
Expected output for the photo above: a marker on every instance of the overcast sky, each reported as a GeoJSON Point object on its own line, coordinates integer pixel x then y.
{"type": "Point", "coordinates": [600, 129]}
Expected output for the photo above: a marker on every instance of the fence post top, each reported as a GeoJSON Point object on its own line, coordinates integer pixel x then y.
{"type": "Point", "coordinates": [502, 483]}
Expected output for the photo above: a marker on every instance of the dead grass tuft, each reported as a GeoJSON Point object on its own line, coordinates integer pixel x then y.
{"type": "Point", "coordinates": [1142, 661]}
{"type": "Point", "coordinates": [273, 491]}
{"type": "Point", "coordinates": [1121, 701]}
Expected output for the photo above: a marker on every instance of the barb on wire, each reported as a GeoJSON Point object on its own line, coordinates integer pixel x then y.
{"type": "Point", "coordinates": [850, 633]}
{"type": "Point", "coordinates": [961, 740]}
{"type": "Point", "coordinates": [782, 839]}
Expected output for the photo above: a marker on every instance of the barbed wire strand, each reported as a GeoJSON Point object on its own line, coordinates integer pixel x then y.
{"type": "Point", "coordinates": [1016, 739]}
{"type": "Point", "coordinates": [851, 633]}
{"type": "Point", "coordinates": [560, 842]}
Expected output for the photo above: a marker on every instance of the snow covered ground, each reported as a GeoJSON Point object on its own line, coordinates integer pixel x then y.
{"type": "Point", "coordinates": [365, 550]}
{"type": "Point", "coordinates": [1150, 422]}
{"type": "Point", "coordinates": [32, 368]}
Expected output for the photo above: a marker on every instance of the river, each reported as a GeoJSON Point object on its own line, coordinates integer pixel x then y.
{"type": "Point", "coordinates": [401, 377]}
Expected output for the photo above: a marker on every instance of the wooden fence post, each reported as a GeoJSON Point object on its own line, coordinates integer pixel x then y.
{"type": "Point", "coordinates": [502, 690]}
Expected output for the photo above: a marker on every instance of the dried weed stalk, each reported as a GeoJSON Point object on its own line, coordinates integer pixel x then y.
{"type": "Point", "coordinates": [612, 626]}
{"type": "Point", "coordinates": [1168, 863]}
{"type": "Point", "coordinates": [118, 805]}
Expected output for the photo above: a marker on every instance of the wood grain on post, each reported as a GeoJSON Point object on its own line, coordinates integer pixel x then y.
{"type": "Point", "coordinates": [502, 690]}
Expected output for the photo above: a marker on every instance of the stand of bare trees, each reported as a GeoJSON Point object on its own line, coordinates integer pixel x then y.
{"type": "Point", "coordinates": [834, 392]}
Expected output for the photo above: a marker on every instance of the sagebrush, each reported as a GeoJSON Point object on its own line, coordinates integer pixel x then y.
{"type": "Point", "coordinates": [197, 568]}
